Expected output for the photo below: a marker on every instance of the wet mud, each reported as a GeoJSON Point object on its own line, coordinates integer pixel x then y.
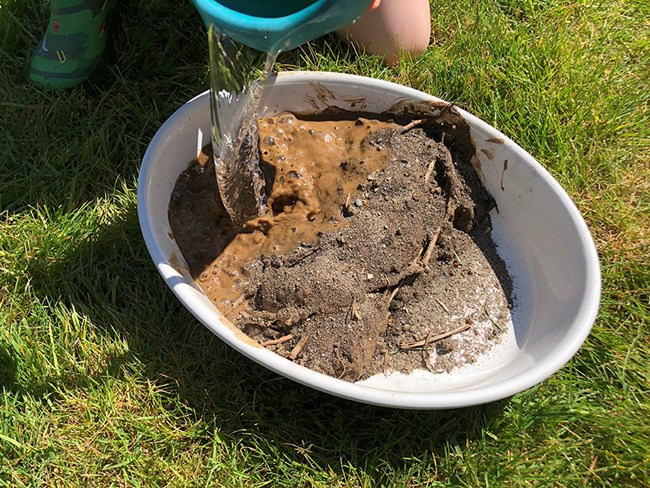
{"type": "Point", "coordinates": [376, 244]}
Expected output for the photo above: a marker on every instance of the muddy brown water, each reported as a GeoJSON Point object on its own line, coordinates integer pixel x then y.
{"type": "Point", "coordinates": [376, 245]}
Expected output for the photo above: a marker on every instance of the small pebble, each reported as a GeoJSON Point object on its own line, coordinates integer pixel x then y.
{"type": "Point", "coordinates": [358, 202]}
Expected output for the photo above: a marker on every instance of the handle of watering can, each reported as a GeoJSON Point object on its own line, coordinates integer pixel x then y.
{"type": "Point", "coordinates": [278, 25]}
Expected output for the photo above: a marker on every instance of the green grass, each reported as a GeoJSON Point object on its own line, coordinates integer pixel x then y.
{"type": "Point", "coordinates": [105, 379]}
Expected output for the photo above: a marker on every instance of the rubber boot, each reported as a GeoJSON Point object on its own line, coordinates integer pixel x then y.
{"type": "Point", "coordinates": [72, 45]}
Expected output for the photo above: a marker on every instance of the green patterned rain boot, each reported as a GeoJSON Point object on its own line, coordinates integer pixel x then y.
{"type": "Point", "coordinates": [72, 45]}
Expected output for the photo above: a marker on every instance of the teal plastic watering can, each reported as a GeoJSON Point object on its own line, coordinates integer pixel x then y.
{"type": "Point", "coordinates": [278, 25]}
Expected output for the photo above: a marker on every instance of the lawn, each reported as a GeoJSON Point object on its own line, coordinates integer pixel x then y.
{"type": "Point", "coordinates": [106, 380]}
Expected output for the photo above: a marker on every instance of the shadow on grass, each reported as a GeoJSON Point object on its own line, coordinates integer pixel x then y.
{"type": "Point", "coordinates": [112, 281]}
{"type": "Point", "coordinates": [7, 371]}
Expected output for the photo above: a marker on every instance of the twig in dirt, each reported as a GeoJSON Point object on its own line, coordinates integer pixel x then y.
{"type": "Point", "coordinates": [432, 244]}
{"type": "Point", "coordinates": [300, 259]}
{"type": "Point", "coordinates": [356, 313]}
{"type": "Point", "coordinates": [414, 268]}
{"type": "Point", "coordinates": [343, 368]}
{"type": "Point", "coordinates": [429, 340]}
{"type": "Point", "coordinates": [494, 322]}
{"type": "Point", "coordinates": [426, 357]}
{"type": "Point", "coordinates": [279, 340]}
{"type": "Point", "coordinates": [418, 264]}
{"type": "Point", "coordinates": [296, 350]}
{"type": "Point", "coordinates": [353, 312]}
{"type": "Point", "coordinates": [427, 175]}
{"type": "Point", "coordinates": [412, 124]}
{"type": "Point", "coordinates": [444, 307]}
{"type": "Point", "coordinates": [235, 304]}
{"type": "Point", "coordinates": [392, 295]}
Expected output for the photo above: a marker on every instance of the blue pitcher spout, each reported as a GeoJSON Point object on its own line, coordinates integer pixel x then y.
{"type": "Point", "coordinates": [273, 26]}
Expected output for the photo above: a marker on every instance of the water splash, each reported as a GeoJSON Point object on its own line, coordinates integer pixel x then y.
{"type": "Point", "coordinates": [238, 75]}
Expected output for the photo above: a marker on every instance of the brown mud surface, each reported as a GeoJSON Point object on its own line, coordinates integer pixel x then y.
{"type": "Point", "coordinates": [376, 245]}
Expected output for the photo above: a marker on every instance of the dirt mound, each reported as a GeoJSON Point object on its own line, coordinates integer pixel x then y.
{"type": "Point", "coordinates": [375, 247]}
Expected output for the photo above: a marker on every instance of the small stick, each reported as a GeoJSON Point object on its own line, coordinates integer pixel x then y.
{"type": "Point", "coordinates": [429, 170]}
{"type": "Point", "coordinates": [494, 322]}
{"type": "Point", "coordinates": [444, 307]}
{"type": "Point", "coordinates": [418, 263]}
{"type": "Point", "coordinates": [392, 295]}
{"type": "Point", "coordinates": [431, 340]}
{"type": "Point", "coordinates": [235, 304]}
{"type": "Point", "coordinates": [275, 342]}
{"type": "Point", "coordinates": [434, 239]}
{"type": "Point", "coordinates": [411, 125]}
{"type": "Point", "coordinates": [343, 368]}
{"type": "Point", "coordinates": [426, 357]}
{"type": "Point", "coordinates": [296, 350]}
{"type": "Point", "coordinates": [356, 313]}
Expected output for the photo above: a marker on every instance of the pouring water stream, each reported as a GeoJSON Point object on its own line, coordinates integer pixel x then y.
{"type": "Point", "coordinates": [235, 98]}
{"type": "Point", "coordinates": [244, 35]}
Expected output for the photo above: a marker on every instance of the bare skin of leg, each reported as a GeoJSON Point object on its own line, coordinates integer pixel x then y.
{"type": "Point", "coordinates": [392, 29]}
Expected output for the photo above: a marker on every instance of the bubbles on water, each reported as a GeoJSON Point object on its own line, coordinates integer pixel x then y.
{"type": "Point", "coordinates": [287, 119]}
{"type": "Point", "coordinates": [269, 140]}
